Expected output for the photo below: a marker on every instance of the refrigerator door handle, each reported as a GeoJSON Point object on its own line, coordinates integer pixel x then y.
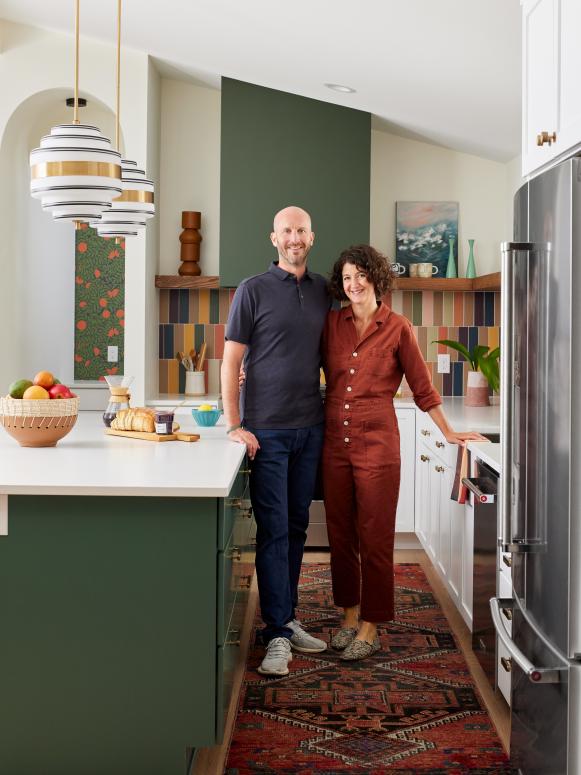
{"type": "Point", "coordinates": [539, 675]}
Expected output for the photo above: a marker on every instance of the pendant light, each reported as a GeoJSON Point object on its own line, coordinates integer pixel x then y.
{"type": "Point", "coordinates": [75, 172]}
{"type": "Point", "coordinates": [128, 213]}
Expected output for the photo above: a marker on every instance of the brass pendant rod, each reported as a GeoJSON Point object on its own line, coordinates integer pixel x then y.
{"type": "Point", "coordinates": [76, 108]}
{"type": "Point", "coordinates": [117, 146]}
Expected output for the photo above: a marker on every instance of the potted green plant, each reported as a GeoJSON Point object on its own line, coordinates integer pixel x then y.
{"type": "Point", "coordinates": [485, 370]}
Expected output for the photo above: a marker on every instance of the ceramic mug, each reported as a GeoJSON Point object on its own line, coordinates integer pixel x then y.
{"type": "Point", "coordinates": [427, 270]}
{"type": "Point", "coordinates": [413, 270]}
{"type": "Point", "coordinates": [398, 269]}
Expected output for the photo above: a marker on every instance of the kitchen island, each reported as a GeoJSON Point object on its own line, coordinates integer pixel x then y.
{"type": "Point", "coordinates": [125, 567]}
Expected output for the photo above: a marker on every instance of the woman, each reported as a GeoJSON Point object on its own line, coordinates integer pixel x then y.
{"type": "Point", "coordinates": [367, 349]}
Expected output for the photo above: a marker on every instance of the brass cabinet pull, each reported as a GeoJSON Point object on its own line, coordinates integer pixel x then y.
{"type": "Point", "coordinates": [235, 634]}
{"type": "Point", "coordinates": [424, 458]}
{"type": "Point", "coordinates": [245, 582]}
{"type": "Point", "coordinates": [234, 554]}
{"type": "Point", "coordinates": [507, 560]}
{"type": "Point", "coordinates": [440, 444]}
{"type": "Point", "coordinates": [507, 613]}
{"type": "Point", "coordinates": [506, 663]}
{"type": "Point", "coordinates": [234, 503]}
{"type": "Point", "coordinates": [439, 469]}
{"type": "Point", "coordinates": [425, 432]}
{"type": "Point", "coordinates": [246, 512]}
{"type": "Point", "coordinates": [545, 137]}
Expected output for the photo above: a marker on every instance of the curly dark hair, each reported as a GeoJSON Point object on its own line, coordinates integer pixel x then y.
{"type": "Point", "coordinates": [376, 266]}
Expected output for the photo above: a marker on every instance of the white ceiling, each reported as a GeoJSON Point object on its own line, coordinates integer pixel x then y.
{"type": "Point", "coordinates": [443, 71]}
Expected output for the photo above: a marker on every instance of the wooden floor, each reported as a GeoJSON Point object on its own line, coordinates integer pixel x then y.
{"type": "Point", "coordinates": [212, 761]}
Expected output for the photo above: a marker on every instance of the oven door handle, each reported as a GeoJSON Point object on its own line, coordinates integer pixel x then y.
{"type": "Point", "coordinates": [483, 497]}
{"type": "Point", "coordinates": [538, 675]}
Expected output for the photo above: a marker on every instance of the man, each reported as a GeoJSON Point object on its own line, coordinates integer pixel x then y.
{"type": "Point", "coordinates": [275, 325]}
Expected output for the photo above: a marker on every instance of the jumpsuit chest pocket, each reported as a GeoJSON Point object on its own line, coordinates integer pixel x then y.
{"type": "Point", "coordinates": [382, 360]}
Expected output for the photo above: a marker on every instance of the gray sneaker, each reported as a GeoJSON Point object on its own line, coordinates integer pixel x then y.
{"type": "Point", "coordinates": [302, 641]}
{"type": "Point", "coordinates": [278, 655]}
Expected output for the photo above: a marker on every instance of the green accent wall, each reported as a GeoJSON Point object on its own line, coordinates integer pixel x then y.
{"type": "Point", "coordinates": [99, 303]}
{"type": "Point", "coordinates": [278, 149]}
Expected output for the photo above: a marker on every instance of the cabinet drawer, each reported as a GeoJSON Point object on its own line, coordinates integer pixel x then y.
{"type": "Point", "coordinates": [505, 590]}
{"type": "Point", "coordinates": [227, 659]}
{"type": "Point", "coordinates": [231, 507]}
{"type": "Point", "coordinates": [435, 441]}
{"type": "Point", "coordinates": [503, 667]}
{"type": "Point", "coordinates": [235, 571]}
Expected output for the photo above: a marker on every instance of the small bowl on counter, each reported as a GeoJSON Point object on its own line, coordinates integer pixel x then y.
{"type": "Point", "coordinates": [206, 418]}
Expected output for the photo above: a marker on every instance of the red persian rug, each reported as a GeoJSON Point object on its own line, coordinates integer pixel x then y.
{"type": "Point", "coordinates": [411, 708]}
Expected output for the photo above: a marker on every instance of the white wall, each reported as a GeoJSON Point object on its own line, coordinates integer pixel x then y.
{"type": "Point", "coordinates": [408, 170]}
{"type": "Point", "coordinates": [514, 182]}
{"type": "Point", "coordinates": [190, 170]}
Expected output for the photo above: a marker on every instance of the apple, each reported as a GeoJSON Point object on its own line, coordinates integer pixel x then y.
{"type": "Point", "coordinates": [60, 391]}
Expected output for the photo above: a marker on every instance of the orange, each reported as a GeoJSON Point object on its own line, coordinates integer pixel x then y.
{"type": "Point", "coordinates": [36, 391]}
{"type": "Point", "coordinates": [44, 378]}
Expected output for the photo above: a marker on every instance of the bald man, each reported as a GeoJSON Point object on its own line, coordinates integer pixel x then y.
{"type": "Point", "coordinates": [275, 326]}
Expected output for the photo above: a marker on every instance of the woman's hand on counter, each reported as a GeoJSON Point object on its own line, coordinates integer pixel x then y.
{"type": "Point", "coordinates": [243, 436]}
{"type": "Point", "coordinates": [461, 438]}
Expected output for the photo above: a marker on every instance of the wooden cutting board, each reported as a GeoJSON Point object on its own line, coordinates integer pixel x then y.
{"type": "Point", "coordinates": [177, 436]}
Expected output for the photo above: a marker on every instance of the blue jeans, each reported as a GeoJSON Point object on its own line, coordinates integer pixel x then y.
{"type": "Point", "coordinates": [282, 482]}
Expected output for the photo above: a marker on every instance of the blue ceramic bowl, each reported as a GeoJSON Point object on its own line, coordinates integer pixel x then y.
{"type": "Point", "coordinates": [207, 418]}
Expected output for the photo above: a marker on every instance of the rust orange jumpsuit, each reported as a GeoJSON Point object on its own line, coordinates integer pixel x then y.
{"type": "Point", "coordinates": [361, 457]}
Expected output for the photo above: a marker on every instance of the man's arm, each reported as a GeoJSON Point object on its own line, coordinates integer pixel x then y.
{"type": "Point", "coordinates": [232, 360]}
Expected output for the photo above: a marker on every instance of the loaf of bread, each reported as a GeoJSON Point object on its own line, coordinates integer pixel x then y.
{"type": "Point", "coordinates": [139, 419]}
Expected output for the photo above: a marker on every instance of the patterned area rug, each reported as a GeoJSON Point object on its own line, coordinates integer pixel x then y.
{"type": "Point", "coordinates": [411, 708]}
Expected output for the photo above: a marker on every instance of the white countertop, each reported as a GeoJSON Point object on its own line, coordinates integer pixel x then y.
{"type": "Point", "coordinates": [88, 462]}
{"type": "Point", "coordinates": [487, 452]}
{"type": "Point", "coordinates": [484, 419]}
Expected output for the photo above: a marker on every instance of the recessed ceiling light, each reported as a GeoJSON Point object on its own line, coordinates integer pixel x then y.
{"type": "Point", "coordinates": [338, 87]}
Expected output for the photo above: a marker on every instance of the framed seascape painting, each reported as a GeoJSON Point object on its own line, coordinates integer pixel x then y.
{"type": "Point", "coordinates": [423, 233]}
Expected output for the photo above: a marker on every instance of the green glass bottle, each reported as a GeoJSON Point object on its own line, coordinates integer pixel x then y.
{"type": "Point", "coordinates": [471, 266]}
{"type": "Point", "coordinates": [451, 268]}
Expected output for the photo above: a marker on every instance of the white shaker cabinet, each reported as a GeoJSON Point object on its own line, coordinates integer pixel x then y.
{"type": "Point", "coordinates": [405, 515]}
{"type": "Point", "coordinates": [551, 120]}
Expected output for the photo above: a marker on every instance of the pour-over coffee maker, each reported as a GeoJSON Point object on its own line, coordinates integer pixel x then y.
{"type": "Point", "coordinates": [119, 396]}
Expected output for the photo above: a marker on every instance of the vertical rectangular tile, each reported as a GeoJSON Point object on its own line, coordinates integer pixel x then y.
{"type": "Point", "coordinates": [422, 337]}
{"type": "Point", "coordinates": [489, 308]}
{"type": "Point", "coordinates": [168, 348]}
{"type": "Point", "coordinates": [198, 336]}
{"type": "Point", "coordinates": [493, 337]}
{"type": "Point", "coordinates": [497, 309]}
{"type": "Point", "coordinates": [204, 313]}
{"type": "Point", "coordinates": [472, 337]}
{"type": "Point", "coordinates": [194, 313]}
{"type": "Point", "coordinates": [214, 305]}
{"type": "Point", "coordinates": [164, 305]}
{"type": "Point", "coordinates": [463, 339]}
{"type": "Point", "coordinates": [432, 348]}
{"type": "Point", "coordinates": [224, 305]}
{"type": "Point", "coordinates": [437, 381]}
{"type": "Point", "coordinates": [469, 308]}
{"type": "Point", "coordinates": [172, 377]}
{"type": "Point", "coordinates": [174, 305]}
{"type": "Point", "coordinates": [160, 348]}
{"type": "Point", "coordinates": [438, 308]}
{"type": "Point", "coordinates": [465, 380]}
{"type": "Point", "coordinates": [447, 383]}
{"type": "Point", "coordinates": [443, 334]}
{"type": "Point", "coordinates": [407, 309]}
{"type": "Point", "coordinates": [458, 388]}
{"type": "Point", "coordinates": [162, 375]}
{"type": "Point", "coordinates": [428, 308]}
{"type": "Point", "coordinates": [214, 375]}
{"type": "Point", "coordinates": [219, 341]}
{"type": "Point", "coordinates": [417, 308]}
{"type": "Point", "coordinates": [448, 309]}
{"type": "Point", "coordinates": [178, 338]}
{"type": "Point", "coordinates": [479, 308]}
{"type": "Point", "coordinates": [458, 309]}
{"type": "Point", "coordinates": [209, 339]}
{"type": "Point", "coordinates": [181, 379]}
{"type": "Point", "coordinates": [188, 337]}
{"type": "Point", "coordinates": [184, 305]}
{"type": "Point", "coordinates": [397, 302]}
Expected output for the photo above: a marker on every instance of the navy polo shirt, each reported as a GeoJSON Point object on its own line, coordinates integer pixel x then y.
{"type": "Point", "coordinates": [281, 322]}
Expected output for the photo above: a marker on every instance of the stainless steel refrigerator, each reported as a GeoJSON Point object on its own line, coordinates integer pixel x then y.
{"type": "Point", "coordinates": [541, 470]}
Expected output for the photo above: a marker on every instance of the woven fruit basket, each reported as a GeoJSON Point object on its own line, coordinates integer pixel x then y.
{"type": "Point", "coordinates": [38, 423]}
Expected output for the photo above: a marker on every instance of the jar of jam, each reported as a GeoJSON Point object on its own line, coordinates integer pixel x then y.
{"type": "Point", "coordinates": [163, 422]}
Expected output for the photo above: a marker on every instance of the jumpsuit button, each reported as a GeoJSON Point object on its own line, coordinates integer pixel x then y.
{"type": "Point", "coordinates": [355, 355]}
{"type": "Point", "coordinates": [345, 422]}
{"type": "Point", "coordinates": [346, 406]}
{"type": "Point", "coordinates": [346, 439]}
{"type": "Point", "coordinates": [349, 389]}
{"type": "Point", "coordinates": [351, 371]}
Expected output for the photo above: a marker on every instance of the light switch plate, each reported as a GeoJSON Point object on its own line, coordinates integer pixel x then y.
{"type": "Point", "coordinates": [443, 363]}
{"type": "Point", "coordinates": [112, 353]}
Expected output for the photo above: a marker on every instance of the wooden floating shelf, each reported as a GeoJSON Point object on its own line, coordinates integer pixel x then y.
{"type": "Point", "coordinates": [488, 282]}
{"type": "Point", "coordinates": [177, 281]}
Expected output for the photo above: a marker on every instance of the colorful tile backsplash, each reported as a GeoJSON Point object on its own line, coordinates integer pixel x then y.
{"type": "Point", "coordinates": [189, 317]}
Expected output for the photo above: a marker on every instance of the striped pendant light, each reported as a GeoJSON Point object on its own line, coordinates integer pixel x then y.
{"type": "Point", "coordinates": [75, 173]}
{"type": "Point", "coordinates": [129, 212]}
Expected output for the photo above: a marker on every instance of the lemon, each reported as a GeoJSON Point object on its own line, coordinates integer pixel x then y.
{"type": "Point", "coordinates": [205, 408]}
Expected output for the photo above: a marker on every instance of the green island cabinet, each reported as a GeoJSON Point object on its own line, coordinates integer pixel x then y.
{"type": "Point", "coordinates": [120, 621]}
